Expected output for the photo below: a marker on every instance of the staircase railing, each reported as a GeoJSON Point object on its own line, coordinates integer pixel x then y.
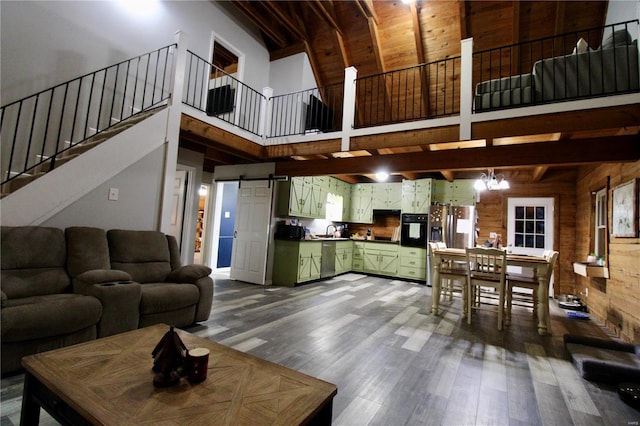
{"type": "Point", "coordinates": [219, 94]}
{"type": "Point", "coordinates": [38, 130]}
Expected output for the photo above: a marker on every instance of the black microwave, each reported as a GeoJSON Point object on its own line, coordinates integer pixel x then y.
{"type": "Point", "coordinates": [289, 232]}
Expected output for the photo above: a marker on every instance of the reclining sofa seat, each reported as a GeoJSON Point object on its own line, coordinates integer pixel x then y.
{"type": "Point", "coordinates": [170, 293]}
{"type": "Point", "coordinates": [39, 310]}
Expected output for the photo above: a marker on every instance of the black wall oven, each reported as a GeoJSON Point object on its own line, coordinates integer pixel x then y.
{"type": "Point", "coordinates": [413, 232]}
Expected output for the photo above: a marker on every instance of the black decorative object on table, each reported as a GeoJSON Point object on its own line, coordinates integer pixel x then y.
{"type": "Point", "coordinates": [168, 359]}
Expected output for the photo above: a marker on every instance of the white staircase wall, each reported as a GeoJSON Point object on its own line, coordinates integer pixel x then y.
{"type": "Point", "coordinates": [77, 192]}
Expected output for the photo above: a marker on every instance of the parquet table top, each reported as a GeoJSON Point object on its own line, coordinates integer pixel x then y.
{"type": "Point", "coordinates": [110, 381]}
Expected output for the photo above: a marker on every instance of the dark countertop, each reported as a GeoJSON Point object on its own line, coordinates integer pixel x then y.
{"type": "Point", "coordinates": [320, 239]}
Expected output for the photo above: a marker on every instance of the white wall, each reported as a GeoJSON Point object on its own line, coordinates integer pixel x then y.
{"type": "Point", "coordinates": [622, 10]}
{"type": "Point", "coordinates": [291, 74]}
{"type": "Point", "coordinates": [49, 42]}
{"type": "Point", "coordinates": [139, 191]}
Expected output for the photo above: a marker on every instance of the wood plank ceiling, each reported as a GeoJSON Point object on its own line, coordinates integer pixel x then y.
{"type": "Point", "coordinates": [380, 36]}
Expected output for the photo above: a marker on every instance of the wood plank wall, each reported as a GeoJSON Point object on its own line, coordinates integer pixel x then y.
{"type": "Point", "coordinates": [616, 301]}
{"type": "Point", "coordinates": [559, 184]}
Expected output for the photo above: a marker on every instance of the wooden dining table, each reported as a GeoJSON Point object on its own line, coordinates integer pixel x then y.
{"type": "Point", "coordinates": [539, 264]}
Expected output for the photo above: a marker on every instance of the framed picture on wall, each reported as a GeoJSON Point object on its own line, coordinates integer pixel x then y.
{"type": "Point", "coordinates": [625, 210]}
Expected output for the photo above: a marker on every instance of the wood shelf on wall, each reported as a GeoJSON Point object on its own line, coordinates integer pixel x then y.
{"type": "Point", "coordinates": [590, 270]}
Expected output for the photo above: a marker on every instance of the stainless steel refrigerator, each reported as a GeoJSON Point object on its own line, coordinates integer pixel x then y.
{"type": "Point", "coordinates": [453, 225]}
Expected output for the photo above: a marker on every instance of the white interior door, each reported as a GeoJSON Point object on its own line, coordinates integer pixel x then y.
{"type": "Point", "coordinates": [530, 225]}
{"type": "Point", "coordinates": [177, 208]}
{"type": "Point", "coordinates": [251, 233]}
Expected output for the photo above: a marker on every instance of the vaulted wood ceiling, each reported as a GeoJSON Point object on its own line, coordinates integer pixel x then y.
{"type": "Point", "coordinates": [379, 36]}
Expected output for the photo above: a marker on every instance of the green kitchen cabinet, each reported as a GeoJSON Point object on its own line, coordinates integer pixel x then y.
{"type": "Point", "coordinates": [416, 195]}
{"type": "Point", "coordinates": [319, 191]}
{"type": "Point", "coordinates": [344, 256]}
{"type": "Point", "coordinates": [460, 192]}
{"type": "Point", "coordinates": [361, 203]}
{"type": "Point", "coordinates": [387, 196]}
{"type": "Point", "coordinates": [344, 189]}
{"type": "Point", "coordinates": [303, 197]}
{"type": "Point", "coordinates": [413, 263]}
{"type": "Point", "coordinates": [381, 258]}
{"type": "Point", "coordinates": [357, 263]}
{"type": "Point", "coordinates": [296, 262]}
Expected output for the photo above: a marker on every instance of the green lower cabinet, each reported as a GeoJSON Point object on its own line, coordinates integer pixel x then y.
{"type": "Point", "coordinates": [413, 263]}
{"type": "Point", "coordinates": [358, 257]}
{"type": "Point", "coordinates": [296, 262]}
{"type": "Point", "coordinates": [381, 259]}
{"type": "Point", "coordinates": [344, 256]}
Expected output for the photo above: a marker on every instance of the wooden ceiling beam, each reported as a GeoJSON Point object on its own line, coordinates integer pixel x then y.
{"type": "Point", "coordinates": [464, 30]}
{"type": "Point", "coordinates": [559, 153]}
{"type": "Point", "coordinates": [262, 22]}
{"type": "Point", "coordinates": [284, 18]}
{"type": "Point", "coordinates": [315, 67]}
{"type": "Point", "coordinates": [213, 151]}
{"type": "Point", "coordinates": [225, 141]}
{"type": "Point", "coordinates": [417, 32]}
{"type": "Point", "coordinates": [538, 173]}
{"type": "Point", "coordinates": [320, 8]}
{"type": "Point", "coordinates": [367, 9]}
{"type": "Point", "coordinates": [448, 175]}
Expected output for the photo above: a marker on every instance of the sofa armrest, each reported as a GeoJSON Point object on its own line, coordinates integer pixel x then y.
{"type": "Point", "coordinates": [120, 298]}
{"type": "Point", "coordinates": [198, 275]}
{"type": "Point", "coordinates": [98, 276]}
{"type": "Point", "coordinates": [600, 343]}
{"type": "Point", "coordinates": [188, 274]}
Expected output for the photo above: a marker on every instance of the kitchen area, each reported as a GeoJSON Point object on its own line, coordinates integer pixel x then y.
{"type": "Point", "coordinates": [327, 227]}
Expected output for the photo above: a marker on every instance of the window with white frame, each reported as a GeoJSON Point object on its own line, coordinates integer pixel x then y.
{"type": "Point", "coordinates": [600, 223]}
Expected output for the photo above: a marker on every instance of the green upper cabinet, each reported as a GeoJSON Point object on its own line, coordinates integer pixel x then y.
{"type": "Point", "coordinates": [416, 195]}
{"type": "Point", "coordinates": [319, 191]}
{"type": "Point", "coordinates": [387, 196]}
{"type": "Point", "coordinates": [303, 197]}
{"type": "Point", "coordinates": [361, 203]}
{"type": "Point", "coordinates": [460, 192]}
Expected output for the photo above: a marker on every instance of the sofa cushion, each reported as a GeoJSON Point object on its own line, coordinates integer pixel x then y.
{"type": "Point", "coordinates": [164, 297]}
{"type": "Point", "coordinates": [143, 254]}
{"type": "Point", "coordinates": [39, 317]}
{"type": "Point", "coordinates": [87, 249]}
{"type": "Point", "coordinates": [33, 261]}
{"type": "Point", "coordinates": [617, 38]}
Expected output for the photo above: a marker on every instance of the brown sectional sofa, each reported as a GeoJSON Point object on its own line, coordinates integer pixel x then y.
{"type": "Point", "coordinates": [61, 287]}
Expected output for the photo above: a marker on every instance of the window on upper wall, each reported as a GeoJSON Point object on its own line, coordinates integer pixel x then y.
{"type": "Point", "coordinates": [600, 224]}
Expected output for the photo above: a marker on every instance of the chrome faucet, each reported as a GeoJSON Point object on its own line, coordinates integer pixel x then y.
{"type": "Point", "coordinates": [334, 230]}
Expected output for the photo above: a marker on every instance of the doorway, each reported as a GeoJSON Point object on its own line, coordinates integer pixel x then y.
{"type": "Point", "coordinates": [228, 202]}
{"type": "Point", "coordinates": [530, 228]}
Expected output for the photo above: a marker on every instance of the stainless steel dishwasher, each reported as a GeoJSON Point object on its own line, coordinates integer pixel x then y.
{"type": "Point", "coordinates": [328, 261]}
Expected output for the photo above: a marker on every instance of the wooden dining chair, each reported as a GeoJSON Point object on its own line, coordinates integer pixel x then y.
{"type": "Point", "coordinates": [486, 268]}
{"type": "Point", "coordinates": [519, 281]}
{"type": "Point", "coordinates": [453, 276]}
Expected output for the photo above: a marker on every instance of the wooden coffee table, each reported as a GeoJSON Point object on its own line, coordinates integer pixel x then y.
{"type": "Point", "coordinates": [109, 381]}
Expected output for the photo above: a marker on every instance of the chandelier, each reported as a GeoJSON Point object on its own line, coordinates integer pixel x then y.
{"type": "Point", "coordinates": [491, 181]}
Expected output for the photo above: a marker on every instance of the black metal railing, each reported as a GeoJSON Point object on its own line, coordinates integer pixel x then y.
{"type": "Point", "coordinates": [424, 91]}
{"type": "Point", "coordinates": [218, 94]}
{"type": "Point", "coordinates": [579, 64]}
{"type": "Point", "coordinates": [41, 128]}
{"type": "Point", "coordinates": [307, 111]}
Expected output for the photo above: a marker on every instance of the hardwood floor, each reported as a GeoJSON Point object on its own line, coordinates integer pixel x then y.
{"type": "Point", "coordinates": [394, 363]}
